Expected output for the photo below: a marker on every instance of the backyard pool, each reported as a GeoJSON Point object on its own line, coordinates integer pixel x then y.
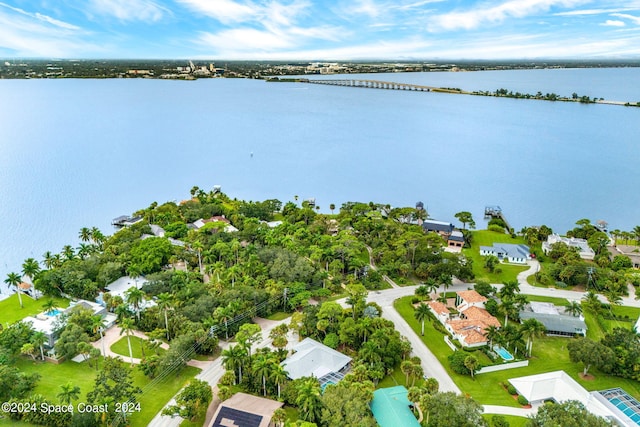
{"type": "Point", "coordinates": [624, 402]}
{"type": "Point", "coordinates": [52, 313]}
{"type": "Point", "coordinates": [502, 352]}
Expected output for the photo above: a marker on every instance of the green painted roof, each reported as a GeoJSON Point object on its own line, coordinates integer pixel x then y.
{"type": "Point", "coordinates": [390, 408]}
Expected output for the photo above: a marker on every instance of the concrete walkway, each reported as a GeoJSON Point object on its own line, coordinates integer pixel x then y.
{"type": "Point", "coordinates": [507, 410]}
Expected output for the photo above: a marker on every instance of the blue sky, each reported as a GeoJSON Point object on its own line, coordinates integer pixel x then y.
{"type": "Point", "coordinates": [328, 29]}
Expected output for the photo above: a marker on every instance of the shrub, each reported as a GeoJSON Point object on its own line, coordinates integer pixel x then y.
{"type": "Point", "coordinates": [456, 361]}
{"type": "Point", "coordinates": [499, 421]}
{"type": "Point", "coordinates": [496, 228]}
{"type": "Point", "coordinates": [512, 390]}
{"type": "Point", "coordinates": [522, 400]}
{"type": "Point", "coordinates": [415, 300]}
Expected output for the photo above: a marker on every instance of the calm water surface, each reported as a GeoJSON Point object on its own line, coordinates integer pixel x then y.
{"type": "Point", "coordinates": [77, 153]}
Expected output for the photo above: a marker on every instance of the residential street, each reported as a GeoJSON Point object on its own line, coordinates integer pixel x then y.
{"type": "Point", "coordinates": [213, 370]}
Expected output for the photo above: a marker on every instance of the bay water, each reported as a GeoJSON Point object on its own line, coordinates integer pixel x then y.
{"type": "Point", "coordinates": [78, 153]}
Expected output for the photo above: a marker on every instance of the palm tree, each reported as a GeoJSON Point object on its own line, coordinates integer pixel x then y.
{"type": "Point", "coordinates": [279, 376]}
{"type": "Point", "coordinates": [421, 314]}
{"type": "Point", "coordinates": [613, 297]}
{"type": "Point", "coordinates": [30, 268]}
{"type": "Point", "coordinates": [13, 279]}
{"type": "Point", "coordinates": [67, 252]}
{"type": "Point", "coordinates": [530, 329]}
{"type": "Point", "coordinates": [134, 296]}
{"type": "Point", "coordinates": [48, 259]}
{"type": "Point", "coordinates": [279, 417]}
{"type": "Point", "coordinates": [165, 301]}
{"type": "Point", "coordinates": [84, 234]}
{"type": "Point", "coordinates": [574, 308]}
{"type": "Point", "coordinates": [263, 366]}
{"type": "Point", "coordinates": [38, 339]}
{"type": "Point", "coordinates": [507, 308]}
{"type": "Point", "coordinates": [126, 327]}
{"type": "Point", "coordinates": [97, 326]}
{"type": "Point", "coordinates": [308, 400]}
{"type": "Point", "coordinates": [471, 363]}
{"type": "Point", "coordinates": [96, 236]}
{"type": "Point", "coordinates": [491, 332]}
{"type": "Point", "coordinates": [49, 306]}
{"type": "Point", "coordinates": [592, 302]}
{"type": "Point", "coordinates": [233, 358]}
{"type": "Point", "coordinates": [407, 368]}
{"type": "Point", "coordinates": [69, 392]}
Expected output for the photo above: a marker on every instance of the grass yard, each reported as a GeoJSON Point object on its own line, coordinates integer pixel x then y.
{"type": "Point", "coordinates": [511, 419]}
{"type": "Point", "coordinates": [488, 238]}
{"type": "Point", "coordinates": [279, 315]}
{"type": "Point", "coordinates": [122, 347]}
{"type": "Point", "coordinates": [549, 354]}
{"type": "Point", "coordinates": [11, 312]}
{"type": "Point", "coordinates": [83, 376]}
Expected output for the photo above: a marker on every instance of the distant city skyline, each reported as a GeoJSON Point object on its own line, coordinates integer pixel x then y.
{"type": "Point", "coordinates": [320, 30]}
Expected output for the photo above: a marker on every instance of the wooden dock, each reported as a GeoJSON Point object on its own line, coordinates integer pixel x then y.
{"type": "Point", "coordinates": [496, 212]}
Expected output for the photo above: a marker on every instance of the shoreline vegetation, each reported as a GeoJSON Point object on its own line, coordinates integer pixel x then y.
{"type": "Point", "coordinates": [499, 93]}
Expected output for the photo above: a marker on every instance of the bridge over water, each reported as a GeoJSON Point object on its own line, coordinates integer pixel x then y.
{"type": "Point", "coordinates": [372, 84]}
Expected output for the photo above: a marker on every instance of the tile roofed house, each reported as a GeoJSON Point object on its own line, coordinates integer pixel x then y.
{"type": "Point", "coordinates": [467, 332]}
{"type": "Point", "coordinates": [312, 358]}
{"type": "Point", "coordinates": [439, 310]}
{"type": "Point", "coordinates": [518, 254]}
{"type": "Point", "coordinates": [583, 247]}
{"type": "Point", "coordinates": [469, 298]}
{"type": "Point", "coordinates": [391, 408]}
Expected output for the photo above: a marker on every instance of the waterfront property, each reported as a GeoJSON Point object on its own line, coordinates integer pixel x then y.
{"type": "Point", "coordinates": [49, 322]}
{"type": "Point", "coordinates": [517, 254]}
{"type": "Point", "coordinates": [554, 319]}
{"type": "Point", "coordinates": [584, 250]}
{"type": "Point", "coordinates": [560, 387]}
{"type": "Point", "coordinates": [454, 238]}
{"type": "Point", "coordinates": [312, 358]}
{"type": "Point", "coordinates": [391, 408]}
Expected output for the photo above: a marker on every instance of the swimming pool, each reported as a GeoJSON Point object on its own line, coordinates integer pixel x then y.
{"type": "Point", "coordinates": [624, 402]}
{"type": "Point", "coordinates": [52, 313]}
{"type": "Point", "coordinates": [502, 352]}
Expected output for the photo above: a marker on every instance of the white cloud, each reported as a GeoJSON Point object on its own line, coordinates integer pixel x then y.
{"type": "Point", "coordinates": [494, 14]}
{"type": "Point", "coordinates": [36, 35]}
{"type": "Point", "coordinates": [632, 18]}
{"type": "Point", "coordinates": [611, 23]}
{"type": "Point", "coordinates": [43, 18]}
{"type": "Point", "coordinates": [225, 11]}
{"type": "Point", "coordinates": [129, 10]}
{"type": "Point", "coordinates": [582, 12]}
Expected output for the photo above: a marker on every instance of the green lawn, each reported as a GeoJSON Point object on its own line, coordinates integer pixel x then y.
{"type": "Point", "coordinates": [10, 311]}
{"type": "Point", "coordinates": [122, 347]}
{"type": "Point", "coordinates": [488, 238]}
{"type": "Point", "coordinates": [549, 354]}
{"type": "Point", "coordinates": [511, 419]}
{"type": "Point", "coordinates": [279, 315]}
{"type": "Point", "coordinates": [83, 376]}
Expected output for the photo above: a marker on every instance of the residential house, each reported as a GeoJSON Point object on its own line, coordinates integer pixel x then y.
{"type": "Point", "coordinates": [312, 358]}
{"type": "Point", "coordinates": [245, 410]}
{"type": "Point", "coordinates": [470, 325]}
{"type": "Point", "coordinates": [581, 245]}
{"type": "Point", "coordinates": [517, 254]}
{"type": "Point", "coordinates": [439, 310]}
{"type": "Point", "coordinates": [391, 408]}
{"type": "Point", "coordinates": [555, 319]}
{"type": "Point", "coordinates": [219, 218]}
{"type": "Point", "coordinates": [469, 298]}
{"type": "Point", "coordinates": [631, 252]}
{"type": "Point", "coordinates": [454, 238]}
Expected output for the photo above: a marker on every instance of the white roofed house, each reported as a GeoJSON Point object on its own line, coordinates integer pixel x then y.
{"type": "Point", "coordinates": [312, 358]}
{"type": "Point", "coordinates": [517, 254]}
{"type": "Point", "coordinates": [584, 250]}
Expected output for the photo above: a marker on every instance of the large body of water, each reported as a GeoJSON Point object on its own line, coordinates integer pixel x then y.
{"type": "Point", "coordinates": [77, 153]}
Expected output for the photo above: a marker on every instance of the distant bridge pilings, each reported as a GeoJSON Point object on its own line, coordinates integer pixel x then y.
{"type": "Point", "coordinates": [371, 84]}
